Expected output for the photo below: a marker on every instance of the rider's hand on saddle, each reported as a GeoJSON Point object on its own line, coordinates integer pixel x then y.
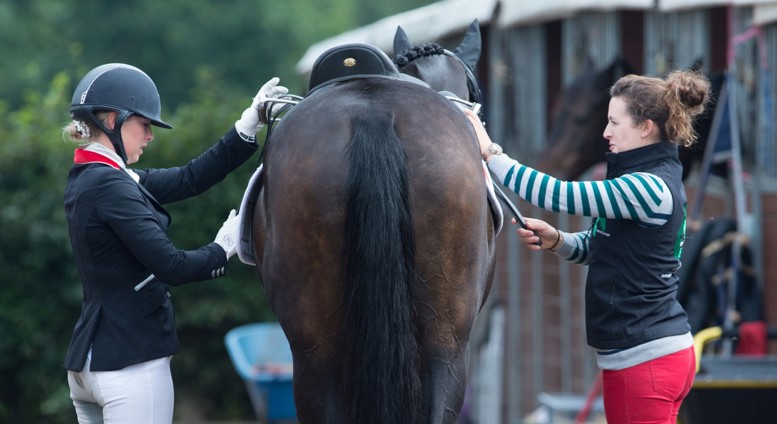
{"type": "Point", "coordinates": [227, 236]}
{"type": "Point", "coordinates": [254, 117]}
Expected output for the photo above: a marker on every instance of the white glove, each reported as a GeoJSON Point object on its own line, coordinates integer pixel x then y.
{"type": "Point", "coordinates": [227, 236]}
{"type": "Point", "coordinates": [253, 119]}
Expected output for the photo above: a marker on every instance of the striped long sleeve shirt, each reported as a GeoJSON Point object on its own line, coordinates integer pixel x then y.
{"type": "Point", "coordinates": [632, 249]}
{"type": "Point", "coordinates": [640, 196]}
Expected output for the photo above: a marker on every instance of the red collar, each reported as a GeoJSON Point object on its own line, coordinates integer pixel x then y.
{"type": "Point", "coordinates": [82, 156]}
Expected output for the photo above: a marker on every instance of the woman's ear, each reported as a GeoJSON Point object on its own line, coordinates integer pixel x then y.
{"type": "Point", "coordinates": [110, 120]}
{"type": "Point", "coordinates": [648, 129]}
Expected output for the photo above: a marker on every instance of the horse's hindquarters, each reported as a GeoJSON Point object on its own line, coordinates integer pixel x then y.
{"type": "Point", "coordinates": [346, 170]}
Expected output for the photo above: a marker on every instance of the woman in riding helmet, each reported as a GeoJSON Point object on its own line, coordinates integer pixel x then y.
{"type": "Point", "coordinates": [119, 356]}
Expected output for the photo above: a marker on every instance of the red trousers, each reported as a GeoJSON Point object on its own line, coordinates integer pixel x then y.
{"type": "Point", "coordinates": [651, 392]}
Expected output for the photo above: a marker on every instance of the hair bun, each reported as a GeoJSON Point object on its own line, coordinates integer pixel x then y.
{"type": "Point", "coordinates": [691, 88]}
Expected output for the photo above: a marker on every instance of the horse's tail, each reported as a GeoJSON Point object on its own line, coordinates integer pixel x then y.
{"type": "Point", "coordinates": [379, 270]}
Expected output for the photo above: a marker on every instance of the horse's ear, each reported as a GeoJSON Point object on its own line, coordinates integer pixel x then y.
{"type": "Point", "coordinates": [619, 67]}
{"type": "Point", "coordinates": [588, 64]}
{"type": "Point", "coordinates": [401, 41]}
{"type": "Point", "coordinates": [698, 64]}
{"type": "Point", "coordinates": [469, 49]}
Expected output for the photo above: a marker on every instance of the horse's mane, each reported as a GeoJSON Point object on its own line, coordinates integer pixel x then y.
{"type": "Point", "coordinates": [417, 52]}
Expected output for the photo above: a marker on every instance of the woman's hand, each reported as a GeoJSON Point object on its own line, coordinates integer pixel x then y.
{"type": "Point", "coordinates": [254, 117]}
{"type": "Point", "coordinates": [483, 139]}
{"type": "Point", "coordinates": [539, 230]}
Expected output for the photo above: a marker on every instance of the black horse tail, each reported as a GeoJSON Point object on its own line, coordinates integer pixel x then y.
{"type": "Point", "coordinates": [379, 270]}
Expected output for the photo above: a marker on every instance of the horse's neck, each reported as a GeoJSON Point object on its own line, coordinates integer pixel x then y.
{"type": "Point", "coordinates": [410, 78]}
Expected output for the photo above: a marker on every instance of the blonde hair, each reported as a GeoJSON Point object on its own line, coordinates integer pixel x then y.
{"type": "Point", "coordinates": [672, 102]}
{"type": "Point", "coordinates": [82, 131]}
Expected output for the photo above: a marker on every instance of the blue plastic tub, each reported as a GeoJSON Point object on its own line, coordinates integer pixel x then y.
{"type": "Point", "coordinates": [262, 357]}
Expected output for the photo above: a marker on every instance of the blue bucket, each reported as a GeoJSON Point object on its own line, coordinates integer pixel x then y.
{"type": "Point", "coordinates": [262, 357]}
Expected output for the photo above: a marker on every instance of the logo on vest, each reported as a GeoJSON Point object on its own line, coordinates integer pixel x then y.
{"type": "Point", "coordinates": [600, 225]}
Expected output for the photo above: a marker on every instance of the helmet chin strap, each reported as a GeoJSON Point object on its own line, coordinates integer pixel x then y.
{"type": "Point", "coordinates": [114, 135]}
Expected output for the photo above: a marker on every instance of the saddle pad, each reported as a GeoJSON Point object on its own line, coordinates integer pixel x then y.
{"type": "Point", "coordinates": [496, 209]}
{"type": "Point", "coordinates": [245, 247]}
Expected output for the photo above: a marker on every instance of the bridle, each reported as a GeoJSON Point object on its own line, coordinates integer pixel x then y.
{"type": "Point", "coordinates": [473, 89]}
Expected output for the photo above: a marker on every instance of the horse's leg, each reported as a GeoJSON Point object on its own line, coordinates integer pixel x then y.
{"type": "Point", "coordinates": [316, 387]}
{"type": "Point", "coordinates": [446, 349]}
{"type": "Point", "coordinates": [455, 285]}
{"type": "Point", "coordinates": [312, 323]}
{"type": "Point", "coordinates": [307, 308]}
{"type": "Point", "coordinates": [302, 288]}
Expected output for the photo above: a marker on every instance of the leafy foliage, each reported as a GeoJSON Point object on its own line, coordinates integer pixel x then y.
{"type": "Point", "coordinates": [40, 294]}
{"type": "Point", "coordinates": [207, 58]}
{"type": "Point", "coordinates": [241, 42]}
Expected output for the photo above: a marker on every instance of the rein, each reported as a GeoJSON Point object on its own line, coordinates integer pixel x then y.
{"type": "Point", "coordinates": [473, 87]}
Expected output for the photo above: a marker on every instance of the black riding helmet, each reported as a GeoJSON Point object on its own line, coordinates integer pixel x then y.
{"type": "Point", "coordinates": [121, 88]}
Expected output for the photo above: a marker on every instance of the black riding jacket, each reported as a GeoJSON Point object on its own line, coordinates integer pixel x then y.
{"type": "Point", "coordinates": [118, 231]}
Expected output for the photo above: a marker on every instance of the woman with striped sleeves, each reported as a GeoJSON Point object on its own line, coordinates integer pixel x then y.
{"type": "Point", "coordinates": [633, 320]}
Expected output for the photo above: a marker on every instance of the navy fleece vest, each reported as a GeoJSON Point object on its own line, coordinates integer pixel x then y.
{"type": "Point", "coordinates": [632, 280]}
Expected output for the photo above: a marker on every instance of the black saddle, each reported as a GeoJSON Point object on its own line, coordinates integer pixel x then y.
{"type": "Point", "coordinates": [351, 61]}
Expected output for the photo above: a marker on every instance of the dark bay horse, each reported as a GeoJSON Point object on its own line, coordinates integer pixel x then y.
{"type": "Point", "coordinates": [579, 116]}
{"type": "Point", "coordinates": [375, 242]}
{"type": "Point", "coordinates": [575, 137]}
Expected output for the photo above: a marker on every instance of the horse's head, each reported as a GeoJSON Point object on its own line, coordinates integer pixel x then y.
{"type": "Point", "coordinates": [703, 126]}
{"type": "Point", "coordinates": [579, 117]}
{"type": "Point", "coordinates": [441, 69]}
